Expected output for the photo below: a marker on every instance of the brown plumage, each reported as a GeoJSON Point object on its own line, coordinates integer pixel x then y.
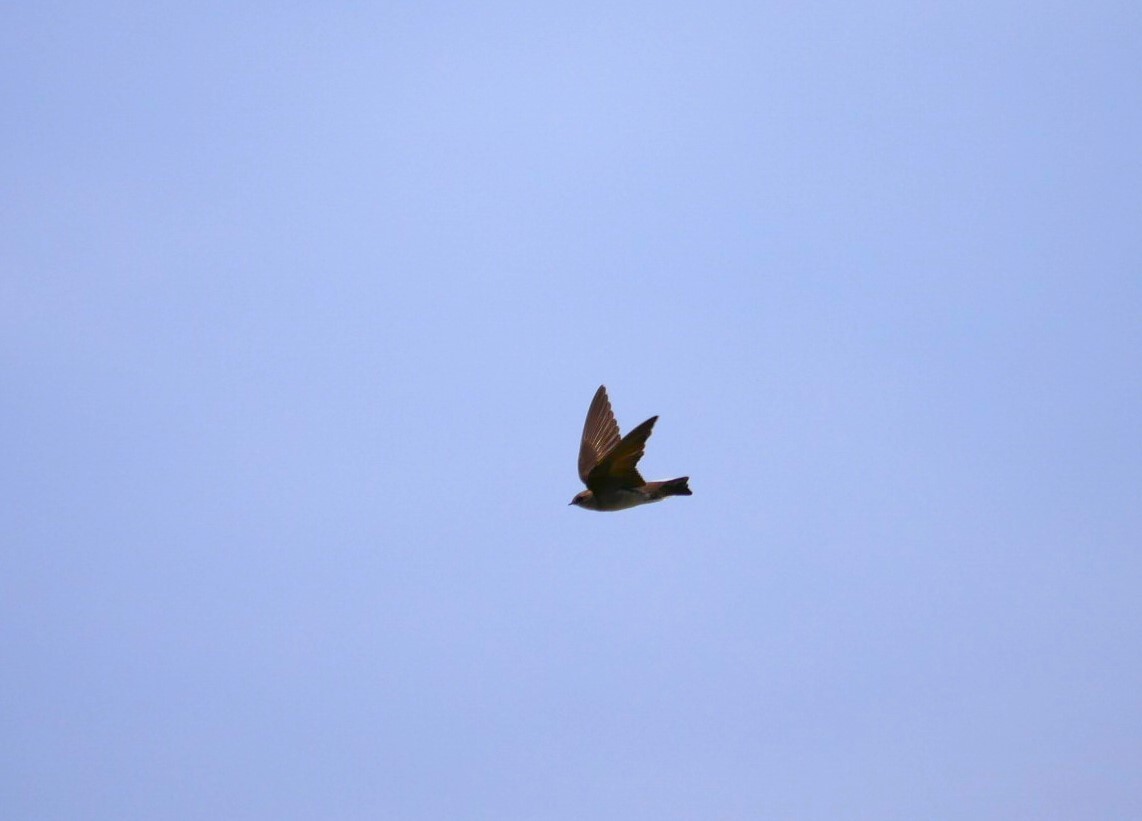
{"type": "Point", "coordinates": [608, 463]}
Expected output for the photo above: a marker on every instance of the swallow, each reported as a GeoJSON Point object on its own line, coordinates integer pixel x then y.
{"type": "Point", "coordinates": [607, 463]}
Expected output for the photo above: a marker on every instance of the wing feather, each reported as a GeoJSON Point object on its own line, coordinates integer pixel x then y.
{"type": "Point", "coordinates": [600, 434]}
{"type": "Point", "coordinates": [618, 468]}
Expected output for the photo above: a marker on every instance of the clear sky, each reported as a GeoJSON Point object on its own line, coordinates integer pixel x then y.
{"type": "Point", "coordinates": [301, 309]}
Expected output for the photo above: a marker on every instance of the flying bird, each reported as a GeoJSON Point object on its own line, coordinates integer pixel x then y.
{"type": "Point", "coordinates": [607, 463]}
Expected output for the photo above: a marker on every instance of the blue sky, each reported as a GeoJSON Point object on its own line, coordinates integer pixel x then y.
{"type": "Point", "coordinates": [301, 312]}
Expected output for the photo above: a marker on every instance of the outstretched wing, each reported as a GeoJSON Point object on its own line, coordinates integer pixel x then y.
{"type": "Point", "coordinates": [600, 434]}
{"type": "Point", "coordinates": [619, 467]}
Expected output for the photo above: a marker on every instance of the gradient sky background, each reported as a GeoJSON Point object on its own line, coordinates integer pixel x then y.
{"type": "Point", "coordinates": [301, 310]}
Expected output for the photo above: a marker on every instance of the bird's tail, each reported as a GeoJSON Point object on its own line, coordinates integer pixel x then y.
{"type": "Point", "coordinates": [676, 487]}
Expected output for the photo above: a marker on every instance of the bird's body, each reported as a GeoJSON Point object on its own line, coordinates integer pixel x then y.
{"type": "Point", "coordinates": [622, 498]}
{"type": "Point", "coordinates": [608, 463]}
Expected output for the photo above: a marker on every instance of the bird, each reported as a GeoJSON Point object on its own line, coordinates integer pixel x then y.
{"type": "Point", "coordinates": [607, 463]}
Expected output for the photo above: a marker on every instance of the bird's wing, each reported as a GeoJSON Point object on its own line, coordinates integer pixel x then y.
{"type": "Point", "coordinates": [600, 434]}
{"type": "Point", "coordinates": [618, 468]}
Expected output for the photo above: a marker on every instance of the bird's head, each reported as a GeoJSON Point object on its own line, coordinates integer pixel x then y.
{"type": "Point", "coordinates": [583, 498]}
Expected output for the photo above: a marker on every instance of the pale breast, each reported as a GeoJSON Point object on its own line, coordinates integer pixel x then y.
{"type": "Point", "coordinates": [623, 499]}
